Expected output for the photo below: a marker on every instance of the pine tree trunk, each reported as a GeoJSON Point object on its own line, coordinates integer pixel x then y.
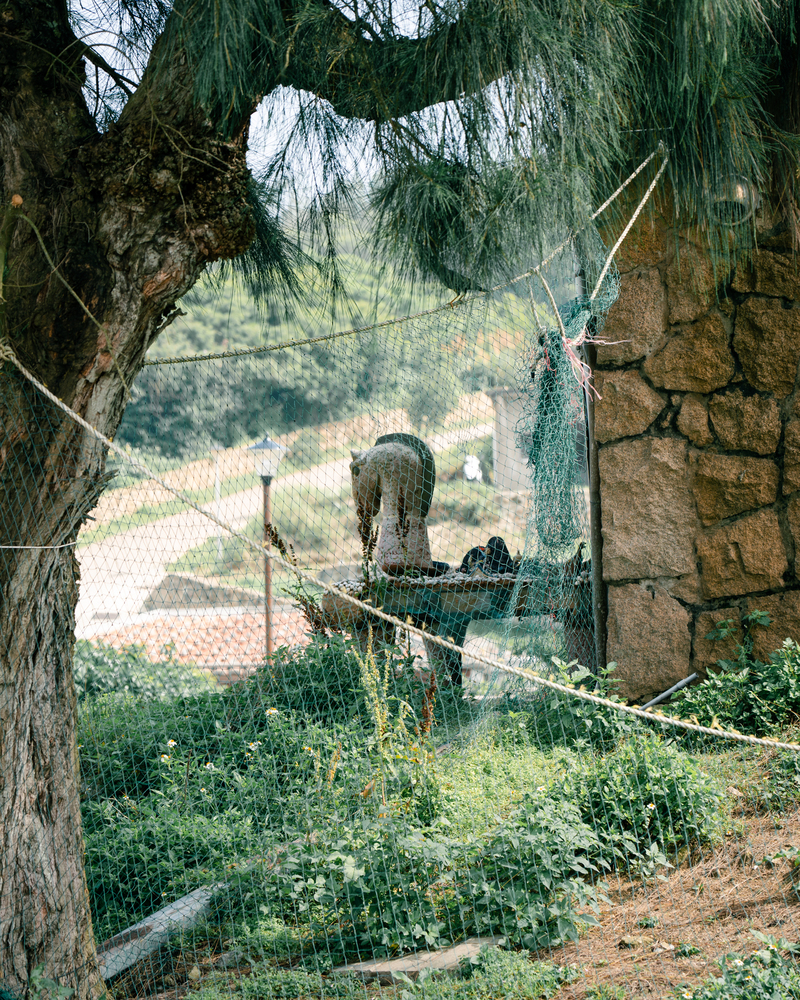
{"type": "Point", "coordinates": [44, 916]}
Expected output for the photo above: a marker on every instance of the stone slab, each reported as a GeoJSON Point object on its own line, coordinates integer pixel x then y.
{"type": "Point", "coordinates": [649, 241]}
{"type": "Point", "coordinates": [726, 485]}
{"type": "Point", "coordinates": [649, 512]}
{"type": "Point", "coordinates": [136, 942]}
{"type": "Point", "coordinates": [626, 407]}
{"type": "Point", "coordinates": [690, 282]}
{"type": "Point", "coordinates": [697, 359]}
{"type": "Point", "coordinates": [746, 423]}
{"type": "Point", "coordinates": [692, 421]}
{"type": "Point", "coordinates": [784, 610]}
{"type": "Point", "coordinates": [636, 324]}
{"type": "Point", "coordinates": [648, 638]}
{"type": "Point", "coordinates": [706, 652]}
{"type": "Point", "coordinates": [389, 971]}
{"type": "Point", "coordinates": [769, 273]}
{"type": "Point", "coordinates": [743, 557]}
{"type": "Point", "coordinates": [767, 340]}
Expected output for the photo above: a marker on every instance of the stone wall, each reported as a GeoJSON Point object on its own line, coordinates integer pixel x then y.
{"type": "Point", "coordinates": [699, 453]}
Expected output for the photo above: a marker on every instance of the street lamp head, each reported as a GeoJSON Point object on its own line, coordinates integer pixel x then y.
{"type": "Point", "coordinates": [267, 455]}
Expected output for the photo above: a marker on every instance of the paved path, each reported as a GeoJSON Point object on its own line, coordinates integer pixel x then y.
{"type": "Point", "coordinates": [119, 572]}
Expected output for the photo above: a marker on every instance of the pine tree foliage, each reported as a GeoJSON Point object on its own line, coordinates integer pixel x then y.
{"type": "Point", "coordinates": [479, 126]}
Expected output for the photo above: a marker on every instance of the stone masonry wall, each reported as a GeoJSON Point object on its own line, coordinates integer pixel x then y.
{"type": "Point", "coordinates": [699, 454]}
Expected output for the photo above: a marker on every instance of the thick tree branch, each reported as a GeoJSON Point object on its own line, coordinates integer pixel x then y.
{"type": "Point", "coordinates": [377, 79]}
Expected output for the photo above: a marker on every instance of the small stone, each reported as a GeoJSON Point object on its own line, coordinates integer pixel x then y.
{"type": "Point", "coordinates": [698, 359]}
{"type": "Point", "coordinates": [648, 638]}
{"type": "Point", "coordinates": [693, 421]}
{"type": "Point", "coordinates": [746, 423]}
{"type": "Point", "coordinates": [635, 942]}
{"type": "Point", "coordinates": [193, 974]}
{"type": "Point", "coordinates": [744, 556]}
{"type": "Point", "coordinates": [725, 485]}
{"type": "Point", "coordinates": [638, 319]}
{"type": "Point", "coordinates": [660, 947]}
{"type": "Point", "coordinates": [627, 405]}
{"type": "Point", "coordinates": [648, 509]}
{"type": "Point", "coordinates": [690, 282]}
{"type": "Point", "coordinates": [767, 340]}
{"type": "Point", "coordinates": [791, 457]}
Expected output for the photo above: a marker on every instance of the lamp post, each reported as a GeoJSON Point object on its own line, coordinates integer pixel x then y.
{"type": "Point", "coordinates": [267, 455]}
{"type": "Point", "coordinates": [216, 449]}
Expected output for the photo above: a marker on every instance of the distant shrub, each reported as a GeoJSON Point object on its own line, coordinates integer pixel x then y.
{"type": "Point", "coordinates": [99, 669]}
{"type": "Point", "coordinates": [321, 682]}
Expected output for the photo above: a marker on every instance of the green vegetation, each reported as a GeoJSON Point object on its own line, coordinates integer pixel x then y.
{"type": "Point", "coordinates": [496, 974]}
{"type": "Point", "coordinates": [177, 411]}
{"type": "Point", "coordinates": [100, 669]}
{"type": "Point", "coordinates": [346, 808]}
{"type": "Point", "coordinates": [765, 975]}
{"type": "Point", "coordinates": [746, 694]}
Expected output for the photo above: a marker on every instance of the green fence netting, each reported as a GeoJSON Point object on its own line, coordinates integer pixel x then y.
{"type": "Point", "coordinates": [285, 795]}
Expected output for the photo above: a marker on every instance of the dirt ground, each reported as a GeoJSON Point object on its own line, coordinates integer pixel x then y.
{"type": "Point", "coordinates": [699, 913]}
{"type": "Point", "coordinates": [711, 906]}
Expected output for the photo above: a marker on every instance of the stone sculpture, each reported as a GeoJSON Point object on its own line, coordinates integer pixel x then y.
{"type": "Point", "coordinates": [398, 475]}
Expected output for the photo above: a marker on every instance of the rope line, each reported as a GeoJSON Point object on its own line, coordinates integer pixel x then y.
{"type": "Point", "coordinates": [631, 221]}
{"type": "Point", "coordinates": [64, 545]}
{"type": "Point", "coordinates": [459, 301]}
{"type": "Point", "coordinates": [285, 345]}
{"type": "Point", "coordinates": [507, 668]}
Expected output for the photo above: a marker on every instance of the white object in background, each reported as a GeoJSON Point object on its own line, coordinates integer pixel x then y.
{"type": "Point", "coordinates": [472, 469]}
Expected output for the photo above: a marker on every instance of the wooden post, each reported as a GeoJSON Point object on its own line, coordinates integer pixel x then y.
{"type": "Point", "coordinates": [599, 598]}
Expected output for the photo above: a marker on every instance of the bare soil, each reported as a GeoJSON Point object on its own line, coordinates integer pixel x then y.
{"type": "Point", "coordinates": [710, 905]}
